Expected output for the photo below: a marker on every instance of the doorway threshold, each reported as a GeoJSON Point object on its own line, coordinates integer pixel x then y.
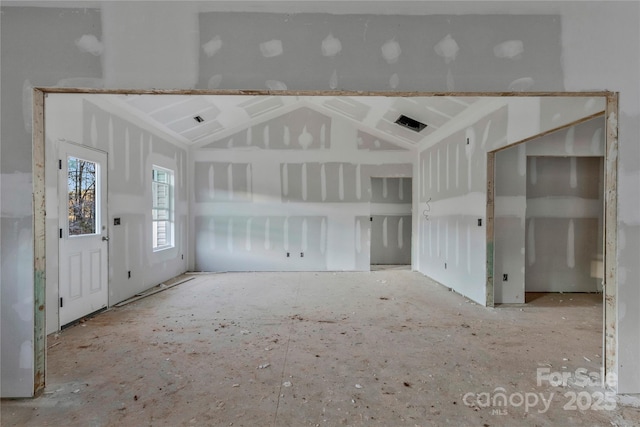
{"type": "Point", "coordinates": [383, 267]}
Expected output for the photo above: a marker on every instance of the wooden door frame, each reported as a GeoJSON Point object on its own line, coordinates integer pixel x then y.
{"type": "Point", "coordinates": [610, 216]}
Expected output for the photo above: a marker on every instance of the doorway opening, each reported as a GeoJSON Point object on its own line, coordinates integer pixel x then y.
{"type": "Point", "coordinates": [391, 221]}
{"type": "Point", "coordinates": [237, 180]}
{"type": "Point", "coordinates": [563, 237]}
{"type": "Point", "coordinates": [548, 221]}
{"type": "Point", "coordinates": [594, 250]}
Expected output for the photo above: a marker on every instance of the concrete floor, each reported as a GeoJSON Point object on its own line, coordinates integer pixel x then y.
{"type": "Point", "coordinates": [387, 348]}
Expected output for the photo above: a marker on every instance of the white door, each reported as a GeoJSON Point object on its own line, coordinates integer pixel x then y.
{"type": "Point", "coordinates": [83, 260]}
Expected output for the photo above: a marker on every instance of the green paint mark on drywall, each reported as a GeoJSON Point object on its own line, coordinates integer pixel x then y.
{"type": "Point", "coordinates": [39, 337]}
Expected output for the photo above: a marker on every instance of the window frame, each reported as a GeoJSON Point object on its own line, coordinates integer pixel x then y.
{"type": "Point", "coordinates": [169, 218]}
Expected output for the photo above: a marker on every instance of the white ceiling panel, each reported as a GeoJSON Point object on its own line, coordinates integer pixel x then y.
{"type": "Point", "coordinates": [224, 113]}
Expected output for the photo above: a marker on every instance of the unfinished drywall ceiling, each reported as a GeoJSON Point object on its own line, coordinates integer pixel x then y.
{"type": "Point", "coordinates": [596, 47]}
{"type": "Point", "coordinates": [204, 120]}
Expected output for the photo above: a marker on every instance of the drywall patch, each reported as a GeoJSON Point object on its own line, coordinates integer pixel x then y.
{"type": "Point", "coordinates": [391, 51]}
{"type": "Point", "coordinates": [331, 46]}
{"type": "Point", "coordinates": [211, 47]}
{"type": "Point", "coordinates": [394, 81]}
{"type": "Point", "coordinates": [511, 49]}
{"type": "Point", "coordinates": [90, 44]}
{"type": "Point", "coordinates": [271, 48]}
{"type": "Point", "coordinates": [333, 81]}
{"type": "Point", "coordinates": [447, 48]}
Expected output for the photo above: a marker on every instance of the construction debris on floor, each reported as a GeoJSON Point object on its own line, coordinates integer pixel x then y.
{"type": "Point", "coordinates": [386, 348]}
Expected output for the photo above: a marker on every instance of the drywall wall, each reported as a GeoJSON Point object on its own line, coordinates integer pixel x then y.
{"type": "Point", "coordinates": [132, 152]}
{"type": "Point", "coordinates": [453, 204]}
{"type": "Point", "coordinates": [564, 223]}
{"type": "Point", "coordinates": [391, 221]}
{"type": "Point", "coordinates": [47, 56]}
{"type": "Point", "coordinates": [515, 205]}
{"type": "Point", "coordinates": [454, 53]}
{"type": "Point", "coordinates": [590, 47]}
{"type": "Point", "coordinates": [453, 180]}
{"type": "Point", "coordinates": [288, 193]}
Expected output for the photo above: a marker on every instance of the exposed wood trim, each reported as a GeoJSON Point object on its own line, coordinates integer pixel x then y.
{"type": "Point", "coordinates": [160, 288]}
{"type": "Point", "coordinates": [489, 226]}
{"type": "Point", "coordinates": [39, 246]}
{"type": "Point", "coordinates": [313, 92]}
{"type": "Point", "coordinates": [547, 132]}
{"type": "Point", "coordinates": [610, 283]}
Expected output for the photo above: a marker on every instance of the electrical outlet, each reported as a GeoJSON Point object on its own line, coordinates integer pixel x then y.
{"type": "Point", "coordinates": [505, 277]}
{"type": "Point", "coordinates": [129, 274]}
{"type": "Point", "coordinates": [301, 254]}
{"type": "Point", "coordinates": [479, 222]}
{"type": "Point", "coordinates": [182, 256]}
{"type": "Point", "coordinates": [445, 265]}
{"type": "Point", "coordinates": [288, 254]}
{"type": "Point", "coordinates": [116, 221]}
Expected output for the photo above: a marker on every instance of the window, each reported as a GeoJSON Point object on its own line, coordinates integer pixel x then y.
{"type": "Point", "coordinates": [163, 230]}
{"type": "Point", "coordinates": [81, 186]}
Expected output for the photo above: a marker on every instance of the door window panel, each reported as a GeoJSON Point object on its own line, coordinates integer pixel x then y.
{"type": "Point", "coordinates": [81, 186]}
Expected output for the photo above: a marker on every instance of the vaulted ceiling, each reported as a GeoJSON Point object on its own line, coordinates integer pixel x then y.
{"type": "Point", "coordinates": [201, 119]}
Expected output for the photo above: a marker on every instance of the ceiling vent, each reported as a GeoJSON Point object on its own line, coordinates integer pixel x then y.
{"type": "Point", "coordinates": [410, 123]}
{"type": "Point", "coordinates": [198, 119]}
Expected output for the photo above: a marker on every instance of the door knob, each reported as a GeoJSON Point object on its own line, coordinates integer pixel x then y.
{"type": "Point", "coordinates": [105, 238]}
